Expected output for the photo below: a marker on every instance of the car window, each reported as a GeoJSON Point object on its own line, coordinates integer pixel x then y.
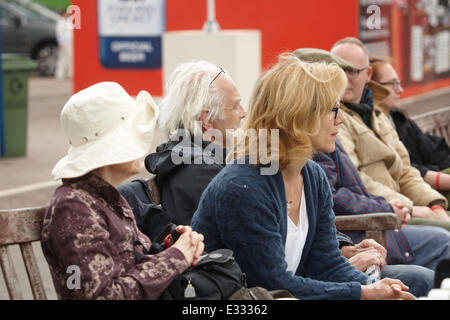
{"type": "Point", "coordinates": [28, 12]}
{"type": "Point", "coordinates": [5, 13]}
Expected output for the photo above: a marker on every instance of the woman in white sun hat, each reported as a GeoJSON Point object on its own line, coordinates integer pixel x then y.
{"type": "Point", "coordinates": [89, 235]}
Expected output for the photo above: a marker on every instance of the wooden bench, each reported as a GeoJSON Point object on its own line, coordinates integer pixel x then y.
{"type": "Point", "coordinates": [375, 225]}
{"type": "Point", "coordinates": [21, 227]}
{"type": "Point", "coordinates": [436, 123]}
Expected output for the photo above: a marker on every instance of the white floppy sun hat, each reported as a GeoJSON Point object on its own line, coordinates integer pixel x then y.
{"type": "Point", "coordinates": [105, 126]}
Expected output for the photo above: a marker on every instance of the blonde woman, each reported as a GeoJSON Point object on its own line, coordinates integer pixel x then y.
{"type": "Point", "coordinates": [281, 226]}
{"type": "Point", "coordinates": [89, 235]}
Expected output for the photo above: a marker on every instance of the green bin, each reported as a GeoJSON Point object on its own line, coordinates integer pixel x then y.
{"type": "Point", "coordinates": [16, 70]}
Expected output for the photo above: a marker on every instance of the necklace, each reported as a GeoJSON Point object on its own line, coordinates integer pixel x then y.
{"type": "Point", "coordinates": [288, 204]}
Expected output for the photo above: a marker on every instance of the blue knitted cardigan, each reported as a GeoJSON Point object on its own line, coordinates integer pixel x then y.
{"type": "Point", "coordinates": [245, 211]}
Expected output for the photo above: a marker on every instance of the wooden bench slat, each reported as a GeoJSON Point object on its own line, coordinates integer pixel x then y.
{"type": "Point", "coordinates": [370, 221]}
{"type": "Point", "coordinates": [9, 274]}
{"type": "Point", "coordinates": [21, 225]}
{"type": "Point", "coordinates": [436, 122]}
{"type": "Point", "coordinates": [32, 268]}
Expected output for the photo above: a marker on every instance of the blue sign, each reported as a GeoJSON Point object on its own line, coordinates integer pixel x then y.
{"type": "Point", "coordinates": [130, 33]}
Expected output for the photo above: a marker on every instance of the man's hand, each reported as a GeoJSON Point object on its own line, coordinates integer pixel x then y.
{"type": "Point", "coordinates": [400, 211]}
{"type": "Point", "coordinates": [365, 253]}
{"type": "Point", "coordinates": [370, 243]}
{"type": "Point", "coordinates": [365, 258]}
{"type": "Point", "coordinates": [440, 214]}
{"type": "Point", "coordinates": [425, 212]}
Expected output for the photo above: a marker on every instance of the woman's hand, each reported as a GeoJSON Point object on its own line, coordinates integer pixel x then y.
{"type": "Point", "coordinates": [190, 243]}
{"type": "Point", "coordinates": [386, 289]}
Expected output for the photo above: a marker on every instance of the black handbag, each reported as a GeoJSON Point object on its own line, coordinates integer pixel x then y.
{"type": "Point", "coordinates": [217, 276]}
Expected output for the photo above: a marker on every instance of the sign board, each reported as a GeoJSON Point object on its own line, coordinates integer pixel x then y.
{"type": "Point", "coordinates": [130, 33]}
{"type": "Point", "coordinates": [375, 26]}
{"type": "Point", "coordinates": [428, 40]}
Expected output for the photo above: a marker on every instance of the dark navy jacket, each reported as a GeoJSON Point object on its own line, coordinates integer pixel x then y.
{"type": "Point", "coordinates": [426, 152]}
{"type": "Point", "coordinates": [245, 211]}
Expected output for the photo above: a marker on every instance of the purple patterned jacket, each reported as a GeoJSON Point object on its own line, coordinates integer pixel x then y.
{"type": "Point", "coordinates": [90, 227]}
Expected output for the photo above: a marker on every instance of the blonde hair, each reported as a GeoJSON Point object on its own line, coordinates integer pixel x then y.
{"type": "Point", "coordinates": [293, 97]}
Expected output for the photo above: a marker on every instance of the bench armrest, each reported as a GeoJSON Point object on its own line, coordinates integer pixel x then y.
{"type": "Point", "coordinates": [368, 222]}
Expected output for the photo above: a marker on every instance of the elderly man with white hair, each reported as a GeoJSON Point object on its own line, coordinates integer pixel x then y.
{"type": "Point", "coordinates": [201, 104]}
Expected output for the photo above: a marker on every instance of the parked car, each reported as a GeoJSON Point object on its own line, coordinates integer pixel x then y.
{"type": "Point", "coordinates": [29, 28]}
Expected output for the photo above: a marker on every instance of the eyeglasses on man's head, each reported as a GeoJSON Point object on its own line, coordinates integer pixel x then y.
{"type": "Point", "coordinates": [220, 71]}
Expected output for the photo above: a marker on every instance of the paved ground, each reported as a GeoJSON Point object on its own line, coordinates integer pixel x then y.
{"type": "Point", "coordinates": [26, 181]}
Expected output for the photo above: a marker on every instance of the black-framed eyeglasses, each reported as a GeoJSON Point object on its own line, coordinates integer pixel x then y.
{"type": "Point", "coordinates": [396, 84]}
{"type": "Point", "coordinates": [354, 72]}
{"type": "Point", "coordinates": [221, 70]}
{"type": "Point", "coordinates": [335, 109]}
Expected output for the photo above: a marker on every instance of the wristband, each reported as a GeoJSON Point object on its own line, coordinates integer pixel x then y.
{"type": "Point", "coordinates": [438, 187]}
{"type": "Point", "coordinates": [437, 207]}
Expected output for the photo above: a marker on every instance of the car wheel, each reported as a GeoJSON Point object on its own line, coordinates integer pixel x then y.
{"type": "Point", "coordinates": [47, 57]}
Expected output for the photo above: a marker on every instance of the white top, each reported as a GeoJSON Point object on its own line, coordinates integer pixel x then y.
{"type": "Point", "coordinates": [296, 237]}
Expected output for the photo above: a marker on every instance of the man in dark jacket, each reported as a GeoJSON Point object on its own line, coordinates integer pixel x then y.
{"type": "Point", "coordinates": [429, 154]}
{"type": "Point", "coordinates": [202, 103]}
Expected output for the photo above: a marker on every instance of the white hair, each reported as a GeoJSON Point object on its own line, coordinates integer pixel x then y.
{"type": "Point", "coordinates": [188, 92]}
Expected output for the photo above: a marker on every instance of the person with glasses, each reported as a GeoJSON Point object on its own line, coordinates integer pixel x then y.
{"type": "Point", "coordinates": [429, 154]}
{"type": "Point", "coordinates": [350, 197]}
{"type": "Point", "coordinates": [201, 103]}
{"type": "Point", "coordinates": [281, 226]}
{"type": "Point", "coordinates": [374, 147]}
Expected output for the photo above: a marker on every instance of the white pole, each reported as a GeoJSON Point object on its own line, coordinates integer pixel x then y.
{"type": "Point", "coordinates": [211, 24]}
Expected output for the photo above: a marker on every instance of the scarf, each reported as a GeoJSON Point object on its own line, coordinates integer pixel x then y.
{"type": "Point", "coordinates": [365, 107]}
